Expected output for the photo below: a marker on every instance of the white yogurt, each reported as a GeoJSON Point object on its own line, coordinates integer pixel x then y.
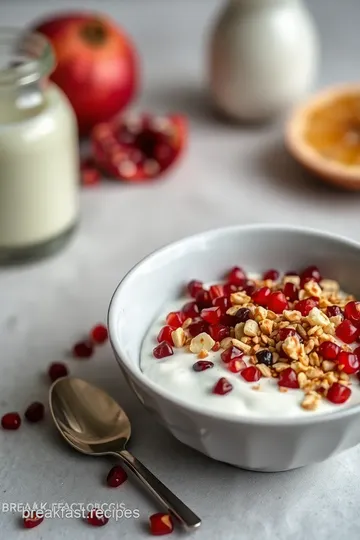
{"type": "Point", "coordinates": [175, 373]}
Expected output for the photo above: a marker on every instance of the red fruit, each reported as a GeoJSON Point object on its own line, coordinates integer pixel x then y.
{"type": "Point", "coordinates": [306, 305]}
{"type": "Point", "coordinates": [97, 65]}
{"type": "Point", "coordinates": [216, 291]}
{"type": "Point", "coordinates": [329, 350]}
{"type": "Point", "coordinates": [99, 334]}
{"type": "Point", "coordinates": [261, 296]}
{"type": "Point", "coordinates": [333, 311]}
{"type": "Point", "coordinates": [271, 274]}
{"type": "Point", "coordinates": [203, 299]}
{"type": "Point", "coordinates": [277, 302]}
{"type": "Point", "coordinates": [35, 412]}
{"type": "Point", "coordinates": [33, 520]}
{"type": "Point", "coordinates": [140, 148]}
{"type": "Point", "coordinates": [57, 370]}
{"type": "Point", "coordinates": [165, 335]}
{"type": "Point", "coordinates": [291, 292]}
{"type": "Point", "coordinates": [202, 365]}
{"type": "Point", "coordinates": [357, 351]}
{"type": "Point", "coordinates": [223, 303]}
{"type": "Point", "coordinates": [162, 350]}
{"type": "Point", "coordinates": [251, 374]}
{"type": "Point", "coordinates": [11, 421]}
{"type": "Point", "coordinates": [347, 332]}
{"type": "Point", "coordinates": [230, 354]}
{"type": "Point", "coordinates": [338, 393]}
{"type": "Point", "coordinates": [284, 333]}
{"type": "Point", "coordinates": [116, 476]}
{"type": "Point", "coordinates": [349, 361]}
{"type": "Point", "coordinates": [218, 331]}
{"type": "Point", "coordinates": [216, 347]}
{"type": "Point", "coordinates": [311, 272]}
{"type": "Point", "coordinates": [228, 320]}
{"type": "Point", "coordinates": [190, 310]}
{"type": "Point", "coordinates": [161, 524]}
{"type": "Point", "coordinates": [229, 288]}
{"type": "Point", "coordinates": [96, 518]}
{"type": "Point", "coordinates": [89, 173]}
{"type": "Point", "coordinates": [211, 315]}
{"type": "Point", "coordinates": [222, 387]}
{"type": "Point", "coordinates": [236, 276]}
{"type": "Point", "coordinates": [194, 286]}
{"type": "Point", "coordinates": [175, 319]}
{"type": "Point", "coordinates": [198, 327]}
{"type": "Point", "coordinates": [352, 312]}
{"type": "Point", "coordinates": [288, 378]}
{"type": "Point", "coordinates": [83, 349]}
{"type": "Point", "coordinates": [235, 365]}
{"type": "Point", "coordinates": [249, 288]}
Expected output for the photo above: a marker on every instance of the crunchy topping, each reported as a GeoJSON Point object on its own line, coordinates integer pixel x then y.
{"type": "Point", "coordinates": [201, 342]}
{"type": "Point", "coordinates": [179, 338]}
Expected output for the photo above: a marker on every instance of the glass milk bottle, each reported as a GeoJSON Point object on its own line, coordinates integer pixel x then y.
{"type": "Point", "coordinates": [263, 57]}
{"type": "Point", "coordinates": [39, 162]}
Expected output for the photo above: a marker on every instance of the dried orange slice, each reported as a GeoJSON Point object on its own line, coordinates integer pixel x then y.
{"type": "Point", "coordinates": [324, 135]}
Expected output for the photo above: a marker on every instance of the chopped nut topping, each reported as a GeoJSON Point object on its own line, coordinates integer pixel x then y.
{"type": "Point", "coordinates": [239, 330]}
{"type": "Point", "coordinates": [265, 370]}
{"type": "Point", "coordinates": [266, 326]}
{"type": "Point", "coordinates": [239, 298]}
{"type": "Point", "coordinates": [203, 354]}
{"type": "Point", "coordinates": [292, 347]}
{"type": "Point", "coordinates": [251, 328]}
{"type": "Point", "coordinates": [292, 315]}
{"type": "Point", "coordinates": [179, 337]}
{"type": "Point", "coordinates": [260, 314]}
{"type": "Point", "coordinates": [313, 288]}
{"type": "Point", "coordinates": [317, 317]}
{"type": "Point", "coordinates": [329, 286]}
{"type": "Point", "coordinates": [311, 401]}
{"type": "Point", "coordinates": [202, 341]}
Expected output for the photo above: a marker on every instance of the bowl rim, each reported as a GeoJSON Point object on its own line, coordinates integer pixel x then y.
{"type": "Point", "coordinates": [124, 359]}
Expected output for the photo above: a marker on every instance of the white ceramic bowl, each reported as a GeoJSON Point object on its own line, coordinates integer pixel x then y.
{"type": "Point", "coordinates": [249, 443]}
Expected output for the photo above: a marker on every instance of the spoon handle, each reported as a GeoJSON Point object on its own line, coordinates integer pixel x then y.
{"type": "Point", "coordinates": [161, 492]}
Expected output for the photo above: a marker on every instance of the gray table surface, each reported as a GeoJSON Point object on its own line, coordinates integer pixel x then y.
{"type": "Point", "coordinates": [230, 175]}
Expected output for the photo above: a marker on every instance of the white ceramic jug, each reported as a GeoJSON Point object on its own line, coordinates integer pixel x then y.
{"type": "Point", "coordinates": [263, 57]}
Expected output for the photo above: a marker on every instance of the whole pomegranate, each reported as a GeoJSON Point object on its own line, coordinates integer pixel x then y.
{"type": "Point", "coordinates": [97, 65]}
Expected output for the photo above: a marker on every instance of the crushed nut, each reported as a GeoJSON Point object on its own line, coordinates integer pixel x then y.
{"type": "Point", "coordinates": [265, 370]}
{"type": "Point", "coordinates": [295, 280]}
{"type": "Point", "coordinates": [280, 366]}
{"type": "Point", "coordinates": [239, 330]}
{"type": "Point", "coordinates": [302, 379]}
{"type": "Point", "coordinates": [260, 314]}
{"type": "Point", "coordinates": [179, 337]}
{"type": "Point", "coordinates": [317, 318]}
{"type": "Point", "coordinates": [328, 365]}
{"type": "Point", "coordinates": [240, 345]}
{"type": "Point", "coordinates": [292, 347]}
{"type": "Point", "coordinates": [292, 315]}
{"type": "Point", "coordinates": [283, 389]}
{"type": "Point", "coordinates": [232, 310]}
{"type": "Point", "coordinates": [255, 387]}
{"type": "Point", "coordinates": [329, 286]}
{"type": "Point", "coordinates": [312, 288]}
{"type": "Point", "coordinates": [251, 328]}
{"type": "Point", "coordinates": [266, 326]}
{"type": "Point", "coordinates": [187, 323]}
{"type": "Point", "coordinates": [203, 354]}
{"type": "Point", "coordinates": [310, 401]}
{"type": "Point", "coordinates": [202, 341]}
{"type": "Point", "coordinates": [239, 298]}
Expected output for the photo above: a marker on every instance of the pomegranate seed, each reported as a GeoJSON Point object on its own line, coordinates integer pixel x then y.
{"type": "Point", "coordinates": [338, 393]}
{"type": "Point", "coordinates": [116, 476]}
{"type": "Point", "coordinates": [236, 276]}
{"type": "Point", "coordinates": [211, 315]}
{"type": "Point", "coordinates": [284, 333]}
{"type": "Point", "coordinates": [357, 351]}
{"type": "Point", "coordinates": [305, 280]}
{"type": "Point", "coordinates": [218, 332]}
{"type": "Point", "coordinates": [228, 320]}
{"type": "Point", "coordinates": [347, 332]}
{"type": "Point", "coordinates": [202, 365]}
{"type": "Point", "coordinates": [235, 365]}
{"type": "Point", "coordinates": [271, 274]}
{"type": "Point", "coordinates": [33, 520]}
{"type": "Point", "coordinates": [249, 288]}
{"type": "Point", "coordinates": [230, 354]}
{"type": "Point", "coordinates": [352, 312]}
{"type": "Point", "coordinates": [251, 374]}
{"type": "Point", "coordinates": [216, 347]}
{"type": "Point", "coordinates": [194, 287]}
{"type": "Point", "coordinates": [229, 288]}
{"type": "Point", "coordinates": [35, 412]}
{"type": "Point", "coordinates": [277, 302]}
{"type": "Point", "coordinates": [161, 524]}
{"type": "Point", "coordinates": [306, 305]}
{"type": "Point", "coordinates": [57, 370]}
{"type": "Point", "coordinates": [333, 311]}
{"type": "Point", "coordinates": [311, 272]}
{"type": "Point", "coordinates": [198, 327]}
{"type": "Point", "coordinates": [288, 378]}
{"type": "Point", "coordinates": [329, 350]}
{"type": "Point", "coordinates": [203, 299]}
{"type": "Point", "coordinates": [175, 319]}
{"type": "Point", "coordinates": [243, 314]}
{"type": "Point", "coordinates": [83, 349]}
{"type": "Point", "coordinates": [261, 296]}
{"type": "Point", "coordinates": [223, 303]}
{"type": "Point", "coordinates": [99, 334]}
{"type": "Point", "coordinates": [222, 387]}
{"type": "Point", "coordinates": [162, 350]}
{"type": "Point", "coordinates": [349, 361]}
{"type": "Point", "coordinates": [265, 357]}
{"type": "Point", "coordinates": [291, 292]}
{"type": "Point", "coordinates": [11, 421]}
{"type": "Point", "coordinates": [89, 176]}
{"type": "Point", "coordinates": [165, 335]}
{"type": "Point", "coordinates": [216, 291]}
{"type": "Point", "coordinates": [96, 518]}
{"type": "Point", "coordinates": [191, 310]}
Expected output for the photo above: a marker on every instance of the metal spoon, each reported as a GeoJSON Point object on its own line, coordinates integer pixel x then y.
{"type": "Point", "coordinates": [93, 423]}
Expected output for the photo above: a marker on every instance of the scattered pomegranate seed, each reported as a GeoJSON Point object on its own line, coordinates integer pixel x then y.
{"type": "Point", "coordinates": [83, 349]}
{"type": "Point", "coordinates": [203, 299]}
{"type": "Point", "coordinates": [223, 303]}
{"type": "Point", "coordinates": [235, 365]}
{"type": "Point", "coordinates": [333, 311]}
{"type": "Point", "coordinates": [261, 296]}
{"type": "Point", "coordinates": [277, 302]}
{"type": "Point", "coordinates": [291, 292]}
{"type": "Point", "coordinates": [306, 305]}
{"type": "Point", "coordinates": [211, 315]}
{"type": "Point", "coordinates": [194, 287]}
{"type": "Point", "coordinates": [191, 310]}
{"type": "Point", "coordinates": [338, 393]}
{"type": "Point", "coordinates": [352, 312]}
{"type": "Point", "coordinates": [219, 331]}
{"type": "Point", "coordinates": [237, 276]}
{"type": "Point", "coordinates": [284, 333]}
{"type": "Point", "coordinates": [288, 378]}
{"type": "Point", "coordinates": [99, 334]}
{"type": "Point", "coordinates": [230, 354]}
{"type": "Point", "coordinates": [96, 518]}
{"type": "Point", "coordinates": [271, 274]}
{"type": "Point", "coordinates": [347, 332]}
{"type": "Point", "coordinates": [35, 412]}
{"type": "Point", "coordinates": [162, 350]}
{"type": "Point", "coordinates": [222, 387]}
{"type": "Point", "coordinates": [249, 288]}
{"type": "Point", "coordinates": [202, 365]}
{"type": "Point", "coordinates": [11, 421]}
{"type": "Point", "coordinates": [349, 361]}
{"type": "Point", "coordinates": [57, 370]}
{"type": "Point", "coordinates": [33, 520]}
{"type": "Point", "coordinates": [161, 524]}
{"type": "Point", "coordinates": [228, 320]}
{"type": "Point", "coordinates": [216, 291]}
{"type": "Point", "coordinates": [165, 334]}
{"type": "Point", "coordinates": [329, 350]}
{"type": "Point", "coordinates": [311, 272]}
{"type": "Point", "coordinates": [229, 288]}
{"type": "Point", "coordinates": [116, 476]}
{"type": "Point", "coordinates": [175, 319]}
{"type": "Point", "coordinates": [243, 314]}
{"type": "Point", "coordinates": [198, 327]}
{"type": "Point", "coordinates": [89, 173]}
{"type": "Point", "coordinates": [357, 351]}
{"type": "Point", "coordinates": [251, 374]}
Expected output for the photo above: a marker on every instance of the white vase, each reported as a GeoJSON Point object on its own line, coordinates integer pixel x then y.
{"type": "Point", "coordinates": [263, 57]}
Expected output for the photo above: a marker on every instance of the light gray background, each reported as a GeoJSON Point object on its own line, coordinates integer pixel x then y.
{"type": "Point", "coordinates": [230, 175]}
